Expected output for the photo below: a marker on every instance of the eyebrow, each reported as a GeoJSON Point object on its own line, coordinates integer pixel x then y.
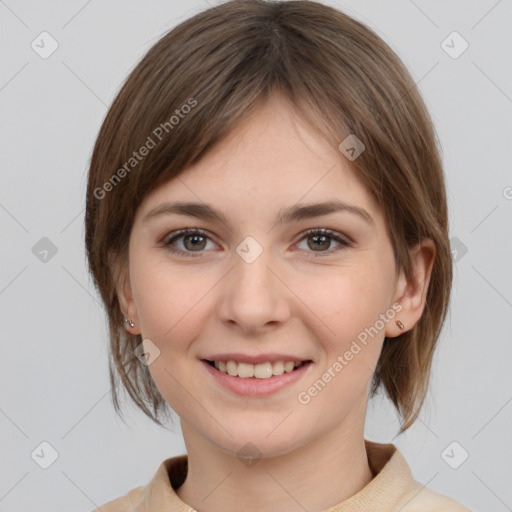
{"type": "Point", "coordinates": [286, 215]}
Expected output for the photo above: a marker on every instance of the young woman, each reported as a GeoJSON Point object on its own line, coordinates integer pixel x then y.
{"type": "Point", "coordinates": [267, 226]}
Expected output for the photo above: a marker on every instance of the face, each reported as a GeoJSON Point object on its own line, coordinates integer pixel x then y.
{"type": "Point", "coordinates": [252, 286]}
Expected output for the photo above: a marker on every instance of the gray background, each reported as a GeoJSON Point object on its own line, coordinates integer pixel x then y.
{"type": "Point", "coordinates": [54, 381]}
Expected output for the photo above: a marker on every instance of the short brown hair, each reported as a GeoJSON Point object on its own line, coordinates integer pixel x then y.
{"type": "Point", "coordinates": [343, 79]}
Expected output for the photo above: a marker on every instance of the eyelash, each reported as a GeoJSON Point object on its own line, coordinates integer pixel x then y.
{"type": "Point", "coordinates": [311, 232]}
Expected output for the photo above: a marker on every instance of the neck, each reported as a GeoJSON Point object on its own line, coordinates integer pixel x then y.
{"type": "Point", "coordinates": [316, 476]}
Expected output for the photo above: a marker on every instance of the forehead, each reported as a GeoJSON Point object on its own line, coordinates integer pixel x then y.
{"type": "Point", "coordinates": [271, 160]}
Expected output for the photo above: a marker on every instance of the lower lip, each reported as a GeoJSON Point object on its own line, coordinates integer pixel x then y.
{"type": "Point", "coordinates": [257, 387]}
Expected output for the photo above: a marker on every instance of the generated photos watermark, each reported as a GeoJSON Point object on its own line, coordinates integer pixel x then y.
{"type": "Point", "coordinates": [305, 397]}
{"type": "Point", "coordinates": [151, 142]}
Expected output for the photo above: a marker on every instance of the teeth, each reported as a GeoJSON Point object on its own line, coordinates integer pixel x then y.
{"type": "Point", "coordinates": [258, 371]}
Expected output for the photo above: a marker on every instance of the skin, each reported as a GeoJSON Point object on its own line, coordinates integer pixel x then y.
{"type": "Point", "coordinates": [287, 300]}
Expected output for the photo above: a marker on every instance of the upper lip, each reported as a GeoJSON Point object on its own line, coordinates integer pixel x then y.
{"type": "Point", "coordinates": [254, 359]}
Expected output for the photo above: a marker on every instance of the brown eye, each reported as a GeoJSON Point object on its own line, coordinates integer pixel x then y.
{"type": "Point", "coordinates": [320, 241]}
{"type": "Point", "coordinates": [192, 241]}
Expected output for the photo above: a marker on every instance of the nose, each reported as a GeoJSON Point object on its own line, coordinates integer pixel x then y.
{"type": "Point", "coordinates": [253, 297]}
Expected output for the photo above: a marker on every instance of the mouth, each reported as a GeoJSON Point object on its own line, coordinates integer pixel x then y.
{"type": "Point", "coordinates": [267, 370]}
{"type": "Point", "coordinates": [256, 380]}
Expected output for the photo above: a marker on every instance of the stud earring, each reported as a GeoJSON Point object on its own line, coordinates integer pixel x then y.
{"type": "Point", "coordinates": [400, 324]}
{"type": "Point", "coordinates": [129, 322]}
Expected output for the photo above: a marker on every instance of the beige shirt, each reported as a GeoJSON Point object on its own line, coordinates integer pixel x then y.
{"type": "Point", "coordinates": [392, 489]}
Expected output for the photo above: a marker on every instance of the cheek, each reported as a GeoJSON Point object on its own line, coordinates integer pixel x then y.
{"type": "Point", "coordinates": [344, 312]}
{"type": "Point", "coordinates": [346, 300]}
{"type": "Point", "coordinates": [168, 304]}
{"type": "Point", "coordinates": [171, 315]}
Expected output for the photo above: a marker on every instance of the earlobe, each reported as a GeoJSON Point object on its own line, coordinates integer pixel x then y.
{"type": "Point", "coordinates": [397, 327]}
{"type": "Point", "coordinates": [121, 279]}
{"type": "Point", "coordinates": [129, 321]}
{"type": "Point", "coordinates": [412, 294]}
{"type": "Point", "coordinates": [127, 304]}
{"type": "Point", "coordinates": [422, 259]}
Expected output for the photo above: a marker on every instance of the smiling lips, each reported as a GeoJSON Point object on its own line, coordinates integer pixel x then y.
{"type": "Point", "coordinates": [258, 366]}
{"type": "Point", "coordinates": [257, 375]}
{"type": "Point", "coordinates": [259, 371]}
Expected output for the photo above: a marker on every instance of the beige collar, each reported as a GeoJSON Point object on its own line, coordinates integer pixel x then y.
{"type": "Point", "coordinates": [392, 482]}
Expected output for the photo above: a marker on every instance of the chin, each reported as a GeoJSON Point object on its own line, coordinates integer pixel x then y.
{"type": "Point", "coordinates": [259, 443]}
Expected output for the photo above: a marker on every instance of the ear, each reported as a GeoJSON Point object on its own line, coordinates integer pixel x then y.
{"type": "Point", "coordinates": [119, 268]}
{"type": "Point", "coordinates": [412, 294]}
